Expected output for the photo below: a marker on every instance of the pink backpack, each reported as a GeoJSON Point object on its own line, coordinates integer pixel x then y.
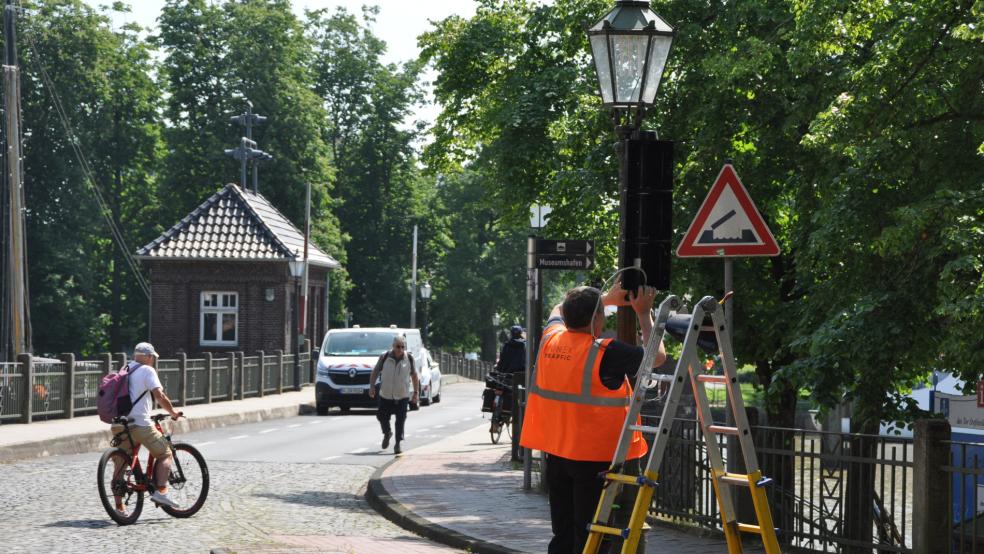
{"type": "Point", "coordinates": [114, 395]}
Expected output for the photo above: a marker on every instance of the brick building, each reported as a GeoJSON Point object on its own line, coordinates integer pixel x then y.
{"type": "Point", "coordinates": [221, 279]}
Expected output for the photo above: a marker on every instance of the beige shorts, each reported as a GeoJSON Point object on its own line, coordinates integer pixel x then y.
{"type": "Point", "coordinates": [149, 437]}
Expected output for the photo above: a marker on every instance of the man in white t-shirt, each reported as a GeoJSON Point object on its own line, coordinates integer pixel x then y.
{"type": "Point", "coordinates": [145, 387]}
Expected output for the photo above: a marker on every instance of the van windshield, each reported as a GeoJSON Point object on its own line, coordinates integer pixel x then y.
{"type": "Point", "coordinates": [366, 343]}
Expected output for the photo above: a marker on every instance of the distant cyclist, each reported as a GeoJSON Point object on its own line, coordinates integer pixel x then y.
{"type": "Point", "coordinates": [512, 357]}
{"type": "Point", "coordinates": [143, 380]}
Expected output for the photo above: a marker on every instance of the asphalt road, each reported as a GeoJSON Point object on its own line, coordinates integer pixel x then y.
{"type": "Point", "coordinates": [290, 485]}
{"type": "Point", "coordinates": [340, 438]}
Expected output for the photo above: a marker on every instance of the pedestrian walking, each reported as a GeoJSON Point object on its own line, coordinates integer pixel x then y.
{"type": "Point", "coordinates": [577, 404]}
{"type": "Point", "coordinates": [398, 386]}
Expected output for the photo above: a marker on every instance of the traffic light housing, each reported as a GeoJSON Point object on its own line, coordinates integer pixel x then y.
{"type": "Point", "coordinates": [647, 211]}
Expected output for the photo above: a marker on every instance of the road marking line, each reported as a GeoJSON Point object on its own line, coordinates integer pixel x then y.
{"type": "Point", "coordinates": [438, 426]}
{"type": "Point", "coordinates": [454, 422]}
{"type": "Point", "coordinates": [424, 430]}
{"type": "Point", "coordinates": [201, 444]}
{"type": "Point", "coordinates": [294, 425]}
{"type": "Point", "coordinates": [329, 458]}
{"type": "Point", "coordinates": [265, 431]}
{"type": "Point", "coordinates": [357, 451]}
{"type": "Point", "coordinates": [238, 437]}
{"type": "Point", "coordinates": [317, 421]}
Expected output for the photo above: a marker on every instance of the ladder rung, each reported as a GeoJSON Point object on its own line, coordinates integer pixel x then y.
{"type": "Point", "coordinates": [719, 379]}
{"type": "Point", "coordinates": [737, 479]}
{"type": "Point", "coordinates": [644, 429]}
{"type": "Point", "coordinates": [661, 377]}
{"type": "Point", "coordinates": [746, 528]}
{"type": "Point", "coordinates": [621, 478]}
{"type": "Point", "coordinates": [593, 528]}
{"type": "Point", "coordinates": [722, 430]}
{"type": "Point", "coordinates": [640, 480]}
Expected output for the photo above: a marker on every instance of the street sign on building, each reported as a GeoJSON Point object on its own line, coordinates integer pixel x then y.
{"type": "Point", "coordinates": [728, 224]}
{"type": "Point", "coordinates": [564, 254]}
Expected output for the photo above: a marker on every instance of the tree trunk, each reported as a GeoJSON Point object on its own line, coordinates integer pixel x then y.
{"type": "Point", "coordinates": [780, 467]}
{"type": "Point", "coordinates": [860, 490]}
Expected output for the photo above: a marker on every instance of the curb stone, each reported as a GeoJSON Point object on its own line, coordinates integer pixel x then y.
{"type": "Point", "coordinates": [381, 500]}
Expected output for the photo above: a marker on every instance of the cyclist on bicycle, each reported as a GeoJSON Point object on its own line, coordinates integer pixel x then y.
{"type": "Point", "coordinates": [143, 380]}
{"type": "Point", "coordinates": [512, 357]}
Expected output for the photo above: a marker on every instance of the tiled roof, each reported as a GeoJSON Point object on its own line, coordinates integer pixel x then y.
{"type": "Point", "coordinates": [234, 224]}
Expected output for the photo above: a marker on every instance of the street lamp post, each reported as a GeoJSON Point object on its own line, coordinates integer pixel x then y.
{"type": "Point", "coordinates": [425, 295]}
{"type": "Point", "coordinates": [296, 271]}
{"type": "Point", "coordinates": [630, 46]}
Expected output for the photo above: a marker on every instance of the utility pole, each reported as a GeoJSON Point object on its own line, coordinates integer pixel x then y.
{"type": "Point", "coordinates": [413, 284]}
{"type": "Point", "coordinates": [307, 239]}
{"type": "Point", "coordinates": [19, 309]}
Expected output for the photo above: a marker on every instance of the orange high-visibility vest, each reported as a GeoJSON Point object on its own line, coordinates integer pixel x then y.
{"type": "Point", "coordinates": [570, 413]}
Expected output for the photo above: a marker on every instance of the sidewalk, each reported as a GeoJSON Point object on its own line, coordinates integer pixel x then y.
{"type": "Point", "coordinates": [20, 441]}
{"type": "Point", "coordinates": [463, 492]}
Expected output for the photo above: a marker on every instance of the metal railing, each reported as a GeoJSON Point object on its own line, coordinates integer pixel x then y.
{"type": "Point", "coordinates": [457, 364]}
{"type": "Point", "coordinates": [966, 487]}
{"type": "Point", "coordinates": [65, 388]}
{"type": "Point", "coordinates": [831, 492]}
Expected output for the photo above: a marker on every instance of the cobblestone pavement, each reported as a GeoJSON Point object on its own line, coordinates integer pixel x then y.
{"type": "Point", "coordinates": [52, 505]}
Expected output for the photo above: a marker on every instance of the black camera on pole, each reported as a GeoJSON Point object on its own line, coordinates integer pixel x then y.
{"type": "Point", "coordinates": [647, 211]}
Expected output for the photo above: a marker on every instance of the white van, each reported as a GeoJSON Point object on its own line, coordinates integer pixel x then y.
{"type": "Point", "coordinates": [346, 360]}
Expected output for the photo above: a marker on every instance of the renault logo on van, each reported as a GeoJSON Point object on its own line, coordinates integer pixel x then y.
{"type": "Point", "coordinates": [352, 372]}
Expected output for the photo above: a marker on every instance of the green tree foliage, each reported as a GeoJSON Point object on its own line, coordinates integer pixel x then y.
{"type": "Point", "coordinates": [83, 294]}
{"type": "Point", "coordinates": [216, 56]}
{"type": "Point", "coordinates": [381, 192]}
{"type": "Point", "coordinates": [856, 127]}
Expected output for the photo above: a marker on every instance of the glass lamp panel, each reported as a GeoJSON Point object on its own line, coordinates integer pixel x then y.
{"type": "Point", "coordinates": [599, 47]}
{"type": "Point", "coordinates": [657, 61]}
{"type": "Point", "coordinates": [628, 58]}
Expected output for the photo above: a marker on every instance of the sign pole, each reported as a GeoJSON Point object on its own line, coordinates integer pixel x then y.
{"type": "Point", "coordinates": [531, 286]}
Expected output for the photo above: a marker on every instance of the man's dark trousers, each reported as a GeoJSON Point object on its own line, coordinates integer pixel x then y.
{"type": "Point", "coordinates": [574, 489]}
{"type": "Point", "coordinates": [388, 408]}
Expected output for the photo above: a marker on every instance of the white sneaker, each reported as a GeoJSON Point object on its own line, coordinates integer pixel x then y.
{"type": "Point", "coordinates": [161, 498]}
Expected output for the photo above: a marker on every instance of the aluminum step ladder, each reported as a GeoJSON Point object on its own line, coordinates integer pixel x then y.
{"type": "Point", "coordinates": [721, 479]}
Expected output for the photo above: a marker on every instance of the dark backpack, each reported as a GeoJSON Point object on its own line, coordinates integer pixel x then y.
{"type": "Point", "coordinates": [114, 395]}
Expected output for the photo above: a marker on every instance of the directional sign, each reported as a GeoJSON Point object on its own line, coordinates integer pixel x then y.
{"type": "Point", "coordinates": [564, 254]}
{"type": "Point", "coordinates": [728, 224]}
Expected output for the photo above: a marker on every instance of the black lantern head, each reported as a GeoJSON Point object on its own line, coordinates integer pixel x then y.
{"type": "Point", "coordinates": [630, 46]}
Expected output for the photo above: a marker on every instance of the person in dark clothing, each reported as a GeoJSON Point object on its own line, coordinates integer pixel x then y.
{"type": "Point", "coordinates": [512, 357]}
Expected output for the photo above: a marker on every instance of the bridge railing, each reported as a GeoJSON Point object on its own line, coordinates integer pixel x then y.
{"type": "Point", "coordinates": [456, 364]}
{"type": "Point", "coordinates": [45, 388]}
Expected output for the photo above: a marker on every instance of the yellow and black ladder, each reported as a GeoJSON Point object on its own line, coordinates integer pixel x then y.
{"type": "Point", "coordinates": [721, 479]}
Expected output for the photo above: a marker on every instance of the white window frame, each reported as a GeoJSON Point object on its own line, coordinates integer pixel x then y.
{"type": "Point", "coordinates": [220, 310]}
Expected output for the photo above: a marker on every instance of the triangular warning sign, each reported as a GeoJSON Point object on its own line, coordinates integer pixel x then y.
{"type": "Point", "coordinates": [728, 224]}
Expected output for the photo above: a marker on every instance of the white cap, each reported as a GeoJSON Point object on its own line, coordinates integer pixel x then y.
{"type": "Point", "coordinates": [145, 348]}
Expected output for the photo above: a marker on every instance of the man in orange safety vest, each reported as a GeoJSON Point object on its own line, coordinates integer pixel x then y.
{"type": "Point", "coordinates": [578, 400]}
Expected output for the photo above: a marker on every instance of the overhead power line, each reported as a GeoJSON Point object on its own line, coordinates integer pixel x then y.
{"type": "Point", "coordinates": [97, 192]}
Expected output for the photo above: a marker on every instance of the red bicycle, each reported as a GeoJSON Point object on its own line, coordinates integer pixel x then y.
{"type": "Point", "coordinates": [122, 482]}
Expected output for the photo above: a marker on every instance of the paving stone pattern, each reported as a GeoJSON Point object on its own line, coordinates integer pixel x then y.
{"type": "Point", "coordinates": [53, 506]}
{"type": "Point", "coordinates": [466, 485]}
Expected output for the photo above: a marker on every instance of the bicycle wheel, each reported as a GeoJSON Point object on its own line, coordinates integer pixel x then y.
{"type": "Point", "coordinates": [116, 480]}
{"type": "Point", "coordinates": [495, 430]}
{"type": "Point", "coordinates": [507, 423]}
{"type": "Point", "coordinates": [188, 481]}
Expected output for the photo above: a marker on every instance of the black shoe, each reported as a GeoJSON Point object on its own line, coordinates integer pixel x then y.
{"type": "Point", "coordinates": [397, 449]}
{"type": "Point", "coordinates": [386, 440]}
